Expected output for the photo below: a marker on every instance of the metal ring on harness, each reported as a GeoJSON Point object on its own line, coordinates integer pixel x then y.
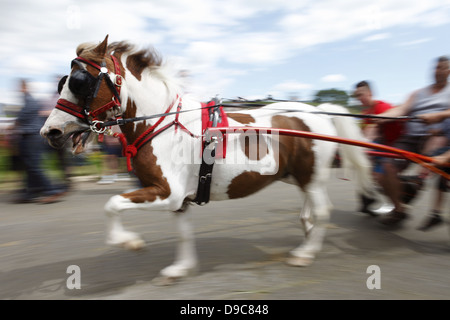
{"type": "Point", "coordinates": [94, 127]}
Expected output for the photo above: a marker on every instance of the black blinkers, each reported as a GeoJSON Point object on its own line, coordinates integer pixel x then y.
{"type": "Point", "coordinates": [86, 86]}
{"type": "Point", "coordinates": [61, 84]}
{"type": "Point", "coordinates": [81, 82]}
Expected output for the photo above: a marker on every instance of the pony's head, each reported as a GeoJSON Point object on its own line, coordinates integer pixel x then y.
{"type": "Point", "coordinates": [89, 95]}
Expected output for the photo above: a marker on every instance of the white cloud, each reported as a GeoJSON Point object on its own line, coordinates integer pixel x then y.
{"type": "Point", "coordinates": [330, 21]}
{"type": "Point", "coordinates": [377, 37]}
{"type": "Point", "coordinates": [206, 36]}
{"type": "Point", "coordinates": [333, 78]}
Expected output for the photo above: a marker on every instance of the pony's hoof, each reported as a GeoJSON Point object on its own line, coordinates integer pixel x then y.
{"type": "Point", "coordinates": [135, 245]}
{"type": "Point", "coordinates": [299, 261]}
{"type": "Point", "coordinates": [175, 272]}
{"type": "Point", "coordinates": [127, 240]}
{"type": "Point", "coordinates": [162, 281]}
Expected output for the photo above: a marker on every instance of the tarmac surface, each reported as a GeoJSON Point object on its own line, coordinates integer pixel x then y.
{"type": "Point", "coordinates": [242, 245]}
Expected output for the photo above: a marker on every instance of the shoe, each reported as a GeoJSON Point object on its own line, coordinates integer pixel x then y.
{"type": "Point", "coordinates": [366, 202]}
{"type": "Point", "coordinates": [433, 220]}
{"type": "Point", "coordinates": [22, 199]}
{"type": "Point", "coordinates": [52, 198]}
{"type": "Point", "coordinates": [411, 185]}
{"type": "Point", "coordinates": [385, 208]}
{"type": "Point", "coordinates": [392, 218]}
{"type": "Point", "coordinates": [23, 196]}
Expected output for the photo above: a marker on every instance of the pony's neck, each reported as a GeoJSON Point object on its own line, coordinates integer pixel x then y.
{"type": "Point", "coordinates": [153, 93]}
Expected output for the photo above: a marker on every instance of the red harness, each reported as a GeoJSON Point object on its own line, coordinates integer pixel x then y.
{"type": "Point", "coordinates": [207, 122]}
{"type": "Point", "coordinates": [130, 150]}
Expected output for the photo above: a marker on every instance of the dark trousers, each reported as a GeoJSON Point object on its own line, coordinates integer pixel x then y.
{"type": "Point", "coordinates": [31, 148]}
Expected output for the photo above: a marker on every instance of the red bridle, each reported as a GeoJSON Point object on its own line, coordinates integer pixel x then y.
{"type": "Point", "coordinates": [83, 112]}
{"type": "Point", "coordinates": [97, 126]}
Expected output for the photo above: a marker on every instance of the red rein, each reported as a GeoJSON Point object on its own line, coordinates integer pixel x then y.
{"type": "Point", "coordinates": [418, 158]}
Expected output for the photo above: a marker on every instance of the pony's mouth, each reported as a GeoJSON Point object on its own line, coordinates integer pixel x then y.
{"type": "Point", "coordinates": [79, 140]}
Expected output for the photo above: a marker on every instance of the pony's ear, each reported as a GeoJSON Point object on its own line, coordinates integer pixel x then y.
{"type": "Point", "coordinates": [101, 48]}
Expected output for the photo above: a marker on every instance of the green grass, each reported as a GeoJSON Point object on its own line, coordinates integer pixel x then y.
{"type": "Point", "coordinates": [90, 164]}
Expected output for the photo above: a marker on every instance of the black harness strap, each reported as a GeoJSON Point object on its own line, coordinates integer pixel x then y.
{"type": "Point", "coordinates": [205, 175]}
{"type": "Point", "coordinates": [208, 159]}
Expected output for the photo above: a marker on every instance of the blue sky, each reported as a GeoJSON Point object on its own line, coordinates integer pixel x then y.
{"type": "Point", "coordinates": [237, 48]}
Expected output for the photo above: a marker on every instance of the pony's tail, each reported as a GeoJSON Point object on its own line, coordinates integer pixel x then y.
{"type": "Point", "coordinates": [352, 157]}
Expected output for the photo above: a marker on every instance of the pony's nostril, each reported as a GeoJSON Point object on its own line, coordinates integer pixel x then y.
{"type": "Point", "coordinates": [54, 134]}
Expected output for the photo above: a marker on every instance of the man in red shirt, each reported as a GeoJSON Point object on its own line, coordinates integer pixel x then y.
{"type": "Point", "coordinates": [385, 133]}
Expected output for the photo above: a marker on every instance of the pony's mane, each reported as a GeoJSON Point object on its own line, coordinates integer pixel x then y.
{"type": "Point", "coordinates": [143, 58]}
{"type": "Point", "coordinates": [138, 59]}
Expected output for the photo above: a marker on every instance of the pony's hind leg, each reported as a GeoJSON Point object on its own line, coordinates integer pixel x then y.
{"type": "Point", "coordinates": [306, 217]}
{"type": "Point", "coordinates": [186, 257]}
{"type": "Point", "coordinates": [315, 228]}
{"type": "Point", "coordinates": [116, 233]}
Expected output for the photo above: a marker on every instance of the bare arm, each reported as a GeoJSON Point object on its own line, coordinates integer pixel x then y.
{"type": "Point", "coordinates": [435, 117]}
{"type": "Point", "coordinates": [442, 158]}
{"type": "Point", "coordinates": [398, 111]}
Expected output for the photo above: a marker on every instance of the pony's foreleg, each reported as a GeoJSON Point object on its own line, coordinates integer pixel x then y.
{"type": "Point", "coordinates": [186, 256]}
{"type": "Point", "coordinates": [142, 199]}
{"type": "Point", "coordinates": [115, 232]}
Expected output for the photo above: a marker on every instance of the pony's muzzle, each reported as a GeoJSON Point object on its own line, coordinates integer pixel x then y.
{"type": "Point", "coordinates": [54, 136]}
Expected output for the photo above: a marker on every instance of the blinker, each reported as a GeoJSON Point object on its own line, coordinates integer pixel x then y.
{"type": "Point", "coordinates": [81, 82]}
{"type": "Point", "coordinates": [61, 83]}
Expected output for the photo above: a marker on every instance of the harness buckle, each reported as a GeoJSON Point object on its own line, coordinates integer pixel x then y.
{"type": "Point", "coordinates": [205, 177]}
{"type": "Point", "coordinates": [118, 80]}
{"type": "Point", "coordinates": [94, 127]}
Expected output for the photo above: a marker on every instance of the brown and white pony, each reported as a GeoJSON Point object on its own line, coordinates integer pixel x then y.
{"type": "Point", "coordinates": [136, 82]}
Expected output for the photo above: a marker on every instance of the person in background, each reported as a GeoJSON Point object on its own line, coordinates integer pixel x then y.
{"type": "Point", "coordinates": [385, 134]}
{"type": "Point", "coordinates": [37, 186]}
{"type": "Point", "coordinates": [440, 158]}
{"type": "Point", "coordinates": [61, 154]}
{"type": "Point", "coordinates": [418, 137]}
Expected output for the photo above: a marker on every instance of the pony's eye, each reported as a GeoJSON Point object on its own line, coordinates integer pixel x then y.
{"type": "Point", "coordinates": [61, 83]}
{"type": "Point", "coordinates": [81, 83]}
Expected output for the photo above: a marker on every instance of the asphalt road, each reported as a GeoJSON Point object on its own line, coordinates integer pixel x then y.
{"type": "Point", "coordinates": [241, 244]}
